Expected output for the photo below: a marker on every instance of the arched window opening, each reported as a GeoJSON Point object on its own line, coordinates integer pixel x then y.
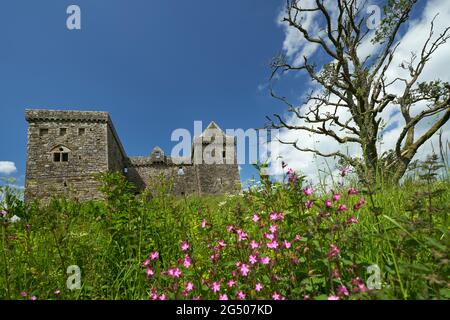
{"type": "Point", "coordinates": [61, 154]}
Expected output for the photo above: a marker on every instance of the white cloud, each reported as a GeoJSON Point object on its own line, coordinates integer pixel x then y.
{"type": "Point", "coordinates": [7, 167]}
{"type": "Point", "coordinates": [413, 39]}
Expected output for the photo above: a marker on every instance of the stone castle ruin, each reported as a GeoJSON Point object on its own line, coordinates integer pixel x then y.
{"type": "Point", "coordinates": [67, 148]}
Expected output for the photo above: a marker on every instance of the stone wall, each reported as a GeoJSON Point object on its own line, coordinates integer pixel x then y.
{"type": "Point", "coordinates": [84, 136]}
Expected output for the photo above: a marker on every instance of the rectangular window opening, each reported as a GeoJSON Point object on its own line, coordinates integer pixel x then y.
{"type": "Point", "coordinates": [62, 131]}
{"type": "Point", "coordinates": [57, 157]}
{"type": "Point", "coordinates": [81, 131]}
{"type": "Point", "coordinates": [65, 157]}
{"type": "Point", "coordinates": [43, 132]}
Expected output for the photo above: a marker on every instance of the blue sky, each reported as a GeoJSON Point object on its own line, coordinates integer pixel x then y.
{"type": "Point", "coordinates": [154, 65]}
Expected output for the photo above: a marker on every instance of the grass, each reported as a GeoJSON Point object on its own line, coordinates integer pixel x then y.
{"type": "Point", "coordinates": [387, 243]}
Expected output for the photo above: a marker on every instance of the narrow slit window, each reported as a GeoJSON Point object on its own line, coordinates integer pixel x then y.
{"type": "Point", "coordinates": [81, 131]}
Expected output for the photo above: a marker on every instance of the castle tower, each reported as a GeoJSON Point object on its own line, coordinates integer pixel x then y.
{"type": "Point", "coordinates": [66, 149]}
{"type": "Point", "coordinates": [215, 159]}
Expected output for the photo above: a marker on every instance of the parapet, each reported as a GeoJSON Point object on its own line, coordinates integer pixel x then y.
{"type": "Point", "coordinates": [66, 116]}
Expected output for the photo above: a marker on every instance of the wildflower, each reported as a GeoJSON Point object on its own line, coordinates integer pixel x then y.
{"type": "Point", "coordinates": [3, 213]}
{"type": "Point", "coordinates": [230, 228]}
{"type": "Point", "coordinates": [146, 263]}
{"type": "Point", "coordinates": [215, 257]}
{"type": "Point", "coordinates": [162, 297]}
{"type": "Point", "coordinates": [360, 287]}
{"type": "Point", "coordinates": [265, 260]}
{"type": "Point", "coordinates": [10, 238]}
{"type": "Point", "coordinates": [174, 272]}
{"type": "Point", "coordinates": [184, 246]}
{"type": "Point", "coordinates": [334, 251]}
{"type": "Point", "coordinates": [231, 283]}
{"type": "Point", "coordinates": [342, 291]}
{"type": "Point", "coordinates": [204, 223]}
{"type": "Point", "coordinates": [196, 298]}
{"type": "Point", "coordinates": [255, 218]}
{"type": "Point", "coordinates": [291, 176]}
{"type": "Point", "coordinates": [353, 191]}
{"type": "Point", "coordinates": [308, 191]}
{"type": "Point", "coordinates": [335, 273]}
{"type": "Point", "coordinates": [189, 287]}
{"type": "Point", "coordinates": [223, 297]}
{"type": "Point", "coordinates": [57, 292]}
{"type": "Point", "coordinates": [154, 295]}
{"type": "Point", "coordinates": [332, 297]}
{"type": "Point", "coordinates": [306, 297]}
{"type": "Point", "coordinates": [215, 287]}
{"type": "Point", "coordinates": [258, 287]}
{"type": "Point", "coordinates": [244, 270]}
{"type": "Point", "coordinates": [328, 204]}
{"type": "Point", "coordinates": [253, 259]}
{"type": "Point", "coordinates": [336, 197]}
{"type": "Point", "coordinates": [276, 296]}
{"type": "Point", "coordinates": [154, 255]}
{"type": "Point", "coordinates": [24, 294]}
{"type": "Point", "coordinates": [34, 298]}
{"type": "Point", "coordinates": [269, 236]}
{"type": "Point", "coordinates": [273, 244]}
{"type": "Point", "coordinates": [273, 229]}
{"type": "Point", "coordinates": [287, 244]}
{"type": "Point", "coordinates": [241, 295]}
{"type": "Point", "coordinates": [342, 208]}
{"type": "Point", "coordinates": [361, 202]}
{"type": "Point", "coordinates": [344, 171]}
{"type": "Point", "coordinates": [187, 261]}
{"type": "Point", "coordinates": [275, 216]}
{"type": "Point", "coordinates": [309, 204]}
{"type": "Point", "coordinates": [241, 235]}
{"type": "Point", "coordinates": [254, 244]}
{"type": "Point", "coordinates": [149, 273]}
{"type": "Point", "coordinates": [351, 220]}
{"type": "Point", "coordinates": [221, 243]}
{"type": "Point", "coordinates": [297, 237]}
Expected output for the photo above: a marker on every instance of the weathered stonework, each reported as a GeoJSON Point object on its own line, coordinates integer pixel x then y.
{"type": "Point", "coordinates": [66, 149]}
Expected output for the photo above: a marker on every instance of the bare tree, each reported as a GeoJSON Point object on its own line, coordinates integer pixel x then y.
{"type": "Point", "coordinates": [359, 86]}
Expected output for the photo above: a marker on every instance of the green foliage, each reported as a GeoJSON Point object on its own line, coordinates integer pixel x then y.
{"type": "Point", "coordinates": [403, 230]}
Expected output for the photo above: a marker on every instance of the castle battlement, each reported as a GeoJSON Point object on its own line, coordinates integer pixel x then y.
{"type": "Point", "coordinates": [67, 148]}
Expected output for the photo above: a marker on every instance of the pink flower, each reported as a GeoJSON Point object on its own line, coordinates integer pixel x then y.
{"type": "Point", "coordinates": [24, 294]}
{"type": "Point", "coordinates": [291, 176]}
{"type": "Point", "coordinates": [231, 283]}
{"type": "Point", "coordinates": [154, 255]}
{"type": "Point", "coordinates": [360, 287]}
{"type": "Point", "coordinates": [309, 204]}
{"type": "Point", "coordinates": [334, 251]}
{"type": "Point", "coordinates": [342, 291]}
{"type": "Point", "coordinates": [335, 273]}
{"type": "Point", "coordinates": [306, 297]}
{"type": "Point", "coordinates": [298, 237]}
{"type": "Point", "coordinates": [273, 229]}
{"type": "Point", "coordinates": [353, 191]}
{"type": "Point", "coordinates": [215, 257]}
{"type": "Point", "coordinates": [244, 270]}
{"type": "Point", "coordinates": [342, 208]}
{"type": "Point", "coordinates": [253, 259]}
{"type": "Point", "coordinates": [196, 298]}
{"type": "Point", "coordinates": [215, 287]}
{"type": "Point", "coordinates": [223, 297]}
{"type": "Point", "coordinates": [333, 297]}
{"type": "Point", "coordinates": [3, 213]}
{"type": "Point", "coordinates": [241, 295]}
{"type": "Point", "coordinates": [359, 204]}
{"type": "Point", "coordinates": [187, 262]}
{"type": "Point", "coordinates": [174, 272]}
{"type": "Point", "coordinates": [149, 273]}
{"type": "Point", "coordinates": [57, 292]}
{"type": "Point", "coordinates": [287, 244]}
{"type": "Point", "coordinates": [328, 204]}
{"type": "Point", "coordinates": [204, 223]}
{"type": "Point", "coordinates": [189, 287]}
{"type": "Point", "coordinates": [230, 228]}
{"type": "Point", "coordinates": [308, 191]}
{"type": "Point", "coordinates": [276, 296]}
{"type": "Point", "coordinates": [255, 218]}
{"type": "Point", "coordinates": [154, 295]}
{"type": "Point", "coordinates": [146, 263]}
{"type": "Point", "coordinates": [265, 260]}
{"type": "Point", "coordinates": [273, 244]}
{"type": "Point", "coordinates": [241, 235]}
{"type": "Point", "coordinates": [258, 287]}
{"type": "Point", "coordinates": [34, 298]}
{"type": "Point", "coordinates": [336, 196]}
{"type": "Point", "coordinates": [275, 216]}
{"type": "Point", "coordinates": [269, 236]}
{"type": "Point", "coordinates": [344, 171]}
{"type": "Point", "coordinates": [351, 220]}
{"type": "Point", "coordinates": [162, 297]}
{"type": "Point", "coordinates": [254, 244]}
{"type": "Point", "coordinates": [221, 243]}
{"type": "Point", "coordinates": [185, 246]}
